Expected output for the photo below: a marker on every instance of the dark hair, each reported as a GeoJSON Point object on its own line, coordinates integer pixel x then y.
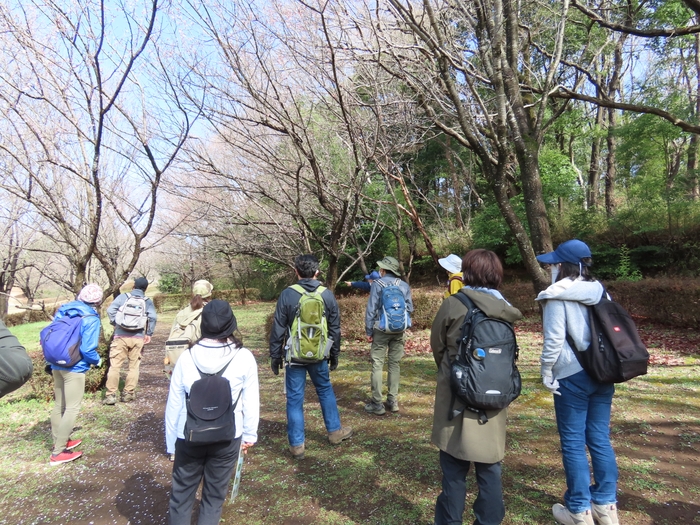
{"type": "Point", "coordinates": [197, 302]}
{"type": "Point", "coordinates": [574, 270]}
{"type": "Point", "coordinates": [482, 268]}
{"type": "Point", "coordinates": [306, 265]}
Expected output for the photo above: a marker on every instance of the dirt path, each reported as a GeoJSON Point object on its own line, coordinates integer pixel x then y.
{"type": "Point", "coordinates": [133, 476]}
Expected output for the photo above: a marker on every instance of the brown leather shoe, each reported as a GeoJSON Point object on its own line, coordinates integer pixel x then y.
{"type": "Point", "coordinates": [297, 452]}
{"type": "Point", "coordinates": [342, 434]}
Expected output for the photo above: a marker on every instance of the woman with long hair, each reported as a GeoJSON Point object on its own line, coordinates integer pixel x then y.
{"type": "Point", "coordinates": [582, 405]}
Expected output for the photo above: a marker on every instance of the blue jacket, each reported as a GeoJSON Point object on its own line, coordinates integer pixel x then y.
{"type": "Point", "coordinates": [362, 285]}
{"type": "Point", "coordinates": [150, 312]}
{"type": "Point", "coordinates": [89, 335]}
{"type": "Point", "coordinates": [374, 303]}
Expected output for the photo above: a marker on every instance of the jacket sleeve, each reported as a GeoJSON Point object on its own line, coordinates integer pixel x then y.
{"type": "Point", "coordinates": [554, 328]}
{"type": "Point", "coordinates": [333, 319]}
{"type": "Point", "coordinates": [280, 325]}
{"type": "Point", "coordinates": [409, 299]}
{"type": "Point", "coordinates": [112, 308]}
{"type": "Point", "coordinates": [438, 333]}
{"type": "Point", "coordinates": [250, 399]}
{"type": "Point", "coordinates": [372, 307]}
{"type": "Point", "coordinates": [152, 317]}
{"type": "Point", "coordinates": [361, 285]}
{"type": "Point", "coordinates": [15, 365]}
{"type": "Point", "coordinates": [90, 339]}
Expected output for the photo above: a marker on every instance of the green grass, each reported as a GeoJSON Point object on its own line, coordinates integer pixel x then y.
{"type": "Point", "coordinates": [388, 472]}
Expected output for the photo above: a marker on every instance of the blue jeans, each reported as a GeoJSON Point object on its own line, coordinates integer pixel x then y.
{"type": "Point", "coordinates": [583, 420]}
{"type": "Point", "coordinates": [296, 384]}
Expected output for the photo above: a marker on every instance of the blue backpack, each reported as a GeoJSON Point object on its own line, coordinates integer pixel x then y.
{"type": "Point", "coordinates": [393, 317]}
{"type": "Point", "coordinates": [60, 341]}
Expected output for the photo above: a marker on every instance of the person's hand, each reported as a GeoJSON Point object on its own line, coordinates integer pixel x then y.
{"type": "Point", "coordinates": [275, 365]}
{"type": "Point", "coordinates": [333, 362]}
{"type": "Point", "coordinates": [551, 384]}
{"type": "Point", "coordinates": [370, 338]}
{"type": "Point", "coordinates": [146, 339]}
{"type": "Point", "coordinates": [348, 283]}
{"type": "Point", "coordinates": [99, 363]}
{"type": "Point", "coordinates": [245, 446]}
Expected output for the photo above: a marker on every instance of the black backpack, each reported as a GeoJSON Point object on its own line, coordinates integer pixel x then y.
{"type": "Point", "coordinates": [616, 353]}
{"type": "Point", "coordinates": [210, 417]}
{"type": "Point", "coordinates": [484, 375]}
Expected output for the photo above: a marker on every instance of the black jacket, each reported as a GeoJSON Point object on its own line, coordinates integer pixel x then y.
{"type": "Point", "coordinates": [15, 365]}
{"type": "Point", "coordinates": [286, 309]}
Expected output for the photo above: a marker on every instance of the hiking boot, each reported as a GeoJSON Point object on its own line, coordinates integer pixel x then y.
{"type": "Point", "coordinates": [392, 406]}
{"type": "Point", "coordinates": [128, 397]}
{"type": "Point", "coordinates": [64, 457]}
{"type": "Point", "coordinates": [297, 452]}
{"type": "Point", "coordinates": [110, 399]}
{"type": "Point", "coordinates": [375, 408]}
{"type": "Point", "coordinates": [339, 435]}
{"type": "Point", "coordinates": [565, 517]}
{"type": "Point", "coordinates": [73, 443]}
{"type": "Point", "coordinates": [605, 514]}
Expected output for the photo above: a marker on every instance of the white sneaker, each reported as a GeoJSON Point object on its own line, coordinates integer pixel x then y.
{"type": "Point", "coordinates": [605, 514]}
{"type": "Point", "coordinates": [563, 516]}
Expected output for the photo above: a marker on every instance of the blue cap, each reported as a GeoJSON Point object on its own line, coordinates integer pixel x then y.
{"type": "Point", "coordinates": [374, 275]}
{"type": "Point", "coordinates": [570, 251]}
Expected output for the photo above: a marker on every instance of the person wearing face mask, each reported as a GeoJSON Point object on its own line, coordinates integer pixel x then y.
{"type": "Point", "coordinates": [582, 405]}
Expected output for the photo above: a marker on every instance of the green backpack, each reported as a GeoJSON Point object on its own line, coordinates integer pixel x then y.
{"type": "Point", "coordinates": [308, 336]}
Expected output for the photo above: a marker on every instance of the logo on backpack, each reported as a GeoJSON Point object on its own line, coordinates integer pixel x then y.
{"type": "Point", "coordinates": [60, 341]}
{"type": "Point", "coordinates": [616, 353]}
{"type": "Point", "coordinates": [210, 409]}
{"type": "Point", "coordinates": [308, 335]}
{"type": "Point", "coordinates": [132, 314]}
{"type": "Point", "coordinates": [484, 376]}
{"type": "Point", "coordinates": [393, 317]}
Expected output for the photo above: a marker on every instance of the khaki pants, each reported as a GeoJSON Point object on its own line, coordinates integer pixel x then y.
{"type": "Point", "coordinates": [68, 390]}
{"type": "Point", "coordinates": [389, 347]}
{"type": "Point", "coordinates": [123, 349]}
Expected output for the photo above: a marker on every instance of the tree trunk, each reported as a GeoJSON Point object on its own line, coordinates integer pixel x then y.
{"type": "Point", "coordinates": [594, 166]}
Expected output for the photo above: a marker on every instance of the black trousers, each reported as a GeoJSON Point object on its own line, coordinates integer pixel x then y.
{"type": "Point", "coordinates": [489, 508]}
{"type": "Point", "coordinates": [214, 464]}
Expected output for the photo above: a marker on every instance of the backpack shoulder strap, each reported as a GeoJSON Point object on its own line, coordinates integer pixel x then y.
{"type": "Point", "coordinates": [320, 289]}
{"type": "Point", "coordinates": [298, 288]}
{"type": "Point", "coordinates": [465, 300]}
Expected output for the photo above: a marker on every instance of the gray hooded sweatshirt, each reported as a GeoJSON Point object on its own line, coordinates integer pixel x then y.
{"type": "Point", "coordinates": [565, 311]}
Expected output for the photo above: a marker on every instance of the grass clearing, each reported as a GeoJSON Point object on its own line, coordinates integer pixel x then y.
{"type": "Point", "coordinates": [386, 474]}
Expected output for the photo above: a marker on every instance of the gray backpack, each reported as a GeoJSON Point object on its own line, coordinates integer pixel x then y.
{"type": "Point", "coordinates": [132, 314]}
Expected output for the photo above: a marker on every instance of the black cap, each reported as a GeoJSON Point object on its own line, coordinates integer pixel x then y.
{"type": "Point", "coordinates": [218, 321]}
{"type": "Point", "coordinates": [141, 283]}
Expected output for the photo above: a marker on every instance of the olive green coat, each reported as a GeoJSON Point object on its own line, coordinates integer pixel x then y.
{"type": "Point", "coordinates": [464, 437]}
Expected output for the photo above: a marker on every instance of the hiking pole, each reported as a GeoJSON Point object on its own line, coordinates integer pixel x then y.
{"type": "Point", "coordinates": [237, 477]}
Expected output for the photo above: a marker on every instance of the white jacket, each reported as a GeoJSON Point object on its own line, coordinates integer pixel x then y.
{"type": "Point", "coordinates": [565, 311]}
{"type": "Point", "coordinates": [211, 357]}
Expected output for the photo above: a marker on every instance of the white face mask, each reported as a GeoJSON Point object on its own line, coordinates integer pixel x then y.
{"type": "Point", "coordinates": [554, 268]}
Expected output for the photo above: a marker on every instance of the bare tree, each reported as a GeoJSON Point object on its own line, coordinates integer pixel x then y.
{"type": "Point", "coordinates": [91, 124]}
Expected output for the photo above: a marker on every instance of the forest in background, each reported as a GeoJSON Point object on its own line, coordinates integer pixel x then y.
{"type": "Point", "coordinates": [218, 139]}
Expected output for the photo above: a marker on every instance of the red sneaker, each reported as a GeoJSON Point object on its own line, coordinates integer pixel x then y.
{"type": "Point", "coordinates": [72, 443]}
{"type": "Point", "coordinates": [64, 457]}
